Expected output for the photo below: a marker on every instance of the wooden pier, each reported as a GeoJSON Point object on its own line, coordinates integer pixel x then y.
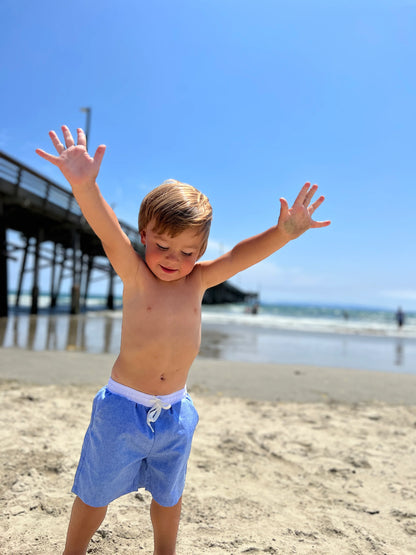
{"type": "Point", "coordinates": [58, 237]}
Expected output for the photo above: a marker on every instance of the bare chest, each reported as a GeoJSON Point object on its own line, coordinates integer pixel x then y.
{"type": "Point", "coordinates": [163, 313]}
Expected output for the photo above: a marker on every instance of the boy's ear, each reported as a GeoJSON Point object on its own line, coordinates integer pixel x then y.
{"type": "Point", "coordinates": [143, 237]}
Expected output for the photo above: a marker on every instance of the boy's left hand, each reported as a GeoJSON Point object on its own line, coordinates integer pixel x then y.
{"type": "Point", "coordinates": [298, 219]}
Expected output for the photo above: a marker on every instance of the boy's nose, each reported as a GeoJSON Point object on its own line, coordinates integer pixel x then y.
{"type": "Point", "coordinates": [172, 256]}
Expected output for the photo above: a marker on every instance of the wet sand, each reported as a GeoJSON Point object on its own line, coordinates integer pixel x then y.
{"type": "Point", "coordinates": [100, 332]}
{"type": "Point", "coordinates": [286, 459]}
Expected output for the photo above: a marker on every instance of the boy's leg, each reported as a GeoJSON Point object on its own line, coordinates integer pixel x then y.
{"type": "Point", "coordinates": [165, 522]}
{"type": "Point", "coordinates": [84, 521]}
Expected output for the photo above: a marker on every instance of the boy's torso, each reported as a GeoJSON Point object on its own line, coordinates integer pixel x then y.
{"type": "Point", "coordinates": [161, 333]}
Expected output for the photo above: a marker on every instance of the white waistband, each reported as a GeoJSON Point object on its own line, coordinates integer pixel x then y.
{"type": "Point", "coordinates": [144, 398]}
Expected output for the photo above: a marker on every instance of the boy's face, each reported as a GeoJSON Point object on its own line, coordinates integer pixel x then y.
{"type": "Point", "coordinates": [171, 258]}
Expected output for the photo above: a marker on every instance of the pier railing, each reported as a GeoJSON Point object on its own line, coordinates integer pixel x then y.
{"type": "Point", "coordinates": [21, 178]}
{"type": "Point", "coordinates": [43, 211]}
{"type": "Point", "coordinates": [18, 180]}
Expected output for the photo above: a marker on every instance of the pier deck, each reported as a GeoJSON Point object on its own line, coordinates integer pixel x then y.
{"type": "Point", "coordinates": [56, 234]}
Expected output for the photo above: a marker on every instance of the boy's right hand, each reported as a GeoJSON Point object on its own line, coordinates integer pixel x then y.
{"type": "Point", "coordinates": [73, 159]}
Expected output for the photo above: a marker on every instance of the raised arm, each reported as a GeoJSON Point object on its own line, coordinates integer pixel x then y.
{"type": "Point", "coordinates": [292, 223]}
{"type": "Point", "coordinates": [81, 171]}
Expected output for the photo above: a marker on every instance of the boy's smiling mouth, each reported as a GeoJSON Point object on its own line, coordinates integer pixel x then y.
{"type": "Point", "coordinates": [168, 270]}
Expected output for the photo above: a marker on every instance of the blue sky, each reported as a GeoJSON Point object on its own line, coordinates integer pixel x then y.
{"type": "Point", "coordinates": [246, 100]}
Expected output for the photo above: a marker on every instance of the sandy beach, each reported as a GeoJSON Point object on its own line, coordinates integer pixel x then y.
{"type": "Point", "coordinates": [286, 459]}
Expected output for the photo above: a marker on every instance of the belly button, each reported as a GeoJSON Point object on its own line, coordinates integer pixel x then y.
{"type": "Point", "coordinates": [162, 377]}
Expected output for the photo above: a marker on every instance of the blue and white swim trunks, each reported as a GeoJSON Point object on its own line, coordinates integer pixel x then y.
{"type": "Point", "coordinates": [134, 441]}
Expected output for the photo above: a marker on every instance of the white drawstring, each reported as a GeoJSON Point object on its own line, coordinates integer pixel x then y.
{"type": "Point", "coordinates": [155, 403]}
{"type": "Point", "coordinates": [155, 411]}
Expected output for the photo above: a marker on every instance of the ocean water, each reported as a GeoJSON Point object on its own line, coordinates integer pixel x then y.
{"type": "Point", "coordinates": [344, 337]}
{"type": "Point", "coordinates": [318, 319]}
{"type": "Point", "coordinates": [312, 335]}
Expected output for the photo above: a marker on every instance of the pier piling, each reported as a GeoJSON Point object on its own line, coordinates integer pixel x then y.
{"type": "Point", "coordinates": [44, 213]}
{"type": "Point", "coordinates": [3, 262]}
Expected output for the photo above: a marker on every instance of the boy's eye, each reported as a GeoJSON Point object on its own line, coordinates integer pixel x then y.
{"type": "Point", "coordinates": [162, 248]}
{"type": "Point", "coordinates": [187, 253]}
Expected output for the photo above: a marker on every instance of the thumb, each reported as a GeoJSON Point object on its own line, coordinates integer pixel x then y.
{"type": "Point", "coordinates": [99, 155]}
{"type": "Point", "coordinates": [284, 207]}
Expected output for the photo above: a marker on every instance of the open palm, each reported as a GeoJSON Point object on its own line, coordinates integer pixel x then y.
{"type": "Point", "coordinates": [73, 160]}
{"type": "Point", "coordinates": [298, 219]}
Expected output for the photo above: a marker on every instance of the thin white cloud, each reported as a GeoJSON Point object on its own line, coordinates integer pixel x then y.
{"type": "Point", "coordinates": [403, 294]}
{"type": "Point", "coordinates": [268, 275]}
{"type": "Point", "coordinates": [215, 249]}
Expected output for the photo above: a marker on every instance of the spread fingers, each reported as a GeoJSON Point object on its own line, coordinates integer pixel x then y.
{"type": "Point", "coordinates": [81, 138]}
{"type": "Point", "coordinates": [309, 195]}
{"type": "Point", "coordinates": [56, 142]}
{"type": "Point", "coordinates": [315, 205]}
{"type": "Point", "coordinates": [69, 141]}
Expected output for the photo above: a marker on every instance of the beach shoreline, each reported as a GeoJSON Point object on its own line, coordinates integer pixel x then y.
{"type": "Point", "coordinates": [286, 459]}
{"type": "Point", "coordinates": [248, 380]}
{"type": "Point", "coordinates": [227, 335]}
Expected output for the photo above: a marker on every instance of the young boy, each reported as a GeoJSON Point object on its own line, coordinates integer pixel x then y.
{"type": "Point", "coordinates": [143, 421]}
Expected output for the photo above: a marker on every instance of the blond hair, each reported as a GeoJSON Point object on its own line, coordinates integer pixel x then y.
{"type": "Point", "coordinates": [174, 207]}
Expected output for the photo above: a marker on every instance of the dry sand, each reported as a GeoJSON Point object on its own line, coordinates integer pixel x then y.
{"type": "Point", "coordinates": [303, 460]}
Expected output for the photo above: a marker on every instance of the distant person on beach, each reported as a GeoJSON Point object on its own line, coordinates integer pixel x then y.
{"type": "Point", "coordinates": [255, 308]}
{"type": "Point", "coordinates": [252, 308]}
{"type": "Point", "coordinates": [400, 317]}
{"type": "Point", "coordinates": [143, 421]}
